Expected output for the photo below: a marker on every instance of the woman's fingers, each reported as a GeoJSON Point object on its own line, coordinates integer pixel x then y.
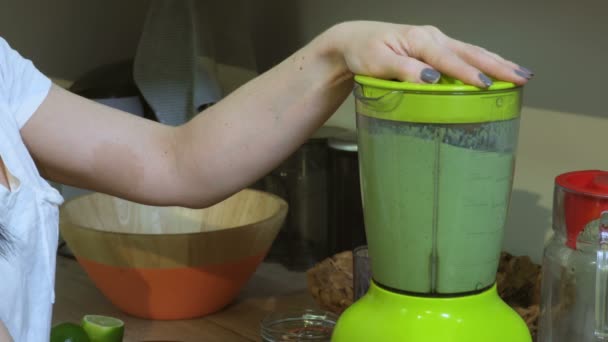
{"type": "Point", "coordinates": [411, 69]}
{"type": "Point", "coordinates": [491, 63]}
{"type": "Point", "coordinates": [449, 63]}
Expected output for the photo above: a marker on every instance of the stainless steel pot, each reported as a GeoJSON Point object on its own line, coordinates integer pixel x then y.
{"type": "Point", "coordinates": [302, 180]}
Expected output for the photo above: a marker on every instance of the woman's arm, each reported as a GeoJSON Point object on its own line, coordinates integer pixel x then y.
{"type": "Point", "coordinates": [244, 136]}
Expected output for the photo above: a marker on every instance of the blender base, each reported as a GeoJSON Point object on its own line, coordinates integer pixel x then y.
{"type": "Point", "coordinates": [382, 315]}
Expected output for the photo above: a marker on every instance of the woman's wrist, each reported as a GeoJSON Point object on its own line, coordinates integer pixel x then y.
{"type": "Point", "coordinates": [330, 45]}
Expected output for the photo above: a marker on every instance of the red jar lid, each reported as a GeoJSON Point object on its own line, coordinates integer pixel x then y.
{"type": "Point", "coordinates": [589, 182]}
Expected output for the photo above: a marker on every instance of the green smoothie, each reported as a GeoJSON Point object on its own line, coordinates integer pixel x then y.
{"type": "Point", "coordinates": [435, 199]}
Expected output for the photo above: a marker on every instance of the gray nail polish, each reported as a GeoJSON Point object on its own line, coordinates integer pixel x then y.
{"type": "Point", "coordinates": [523, 74]}
{"type": "Point", "coordinates": [429, 75]}
{"type": "Point", "coordinates": [486, 80]}
{"type": "Point", "coordinates": [526, 70]}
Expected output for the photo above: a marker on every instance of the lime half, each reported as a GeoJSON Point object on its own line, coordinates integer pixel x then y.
{"type": "Point", "coordinates": [103, 328]}
{"type": "Point", "coordinates": [68, 332]}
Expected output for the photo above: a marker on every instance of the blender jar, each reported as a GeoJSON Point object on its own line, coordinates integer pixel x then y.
{"type": "Point", "coordinates": [575, 263]}
{"type": "Point", "coordinates": [436, 165]}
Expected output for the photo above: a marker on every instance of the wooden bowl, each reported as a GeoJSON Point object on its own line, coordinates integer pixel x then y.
{"type": "Point", "coordinates": [170, 262]}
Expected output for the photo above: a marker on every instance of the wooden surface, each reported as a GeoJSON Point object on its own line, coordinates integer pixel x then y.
{"type": "Point", "coordinates": [272, 288]}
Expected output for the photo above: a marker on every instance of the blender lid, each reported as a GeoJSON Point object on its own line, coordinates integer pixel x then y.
{"type": "Point", "coordinates": [588, 182]}
{"type": "Point", "coordinates": [448, 102]}
{"type": "Point", "coordinates": [445, 84]}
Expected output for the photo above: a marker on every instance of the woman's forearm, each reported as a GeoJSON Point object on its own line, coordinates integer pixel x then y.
{"type": "Point", "coordinates": [247, 134]}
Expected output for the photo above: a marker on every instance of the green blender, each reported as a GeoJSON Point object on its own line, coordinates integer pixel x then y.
{"type": "Point", "coordinates": [436, 164]}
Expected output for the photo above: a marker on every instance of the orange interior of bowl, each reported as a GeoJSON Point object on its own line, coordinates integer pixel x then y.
{"type": "Point", "coordinates": [171, 262]}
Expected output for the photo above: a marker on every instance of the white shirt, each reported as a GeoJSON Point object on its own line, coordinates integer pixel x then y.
{"type": "Point", "coordinates": [28, 211]}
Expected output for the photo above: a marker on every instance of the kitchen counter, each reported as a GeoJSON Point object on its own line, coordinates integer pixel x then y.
{"type": "Point", "coordinates": [272, 288]}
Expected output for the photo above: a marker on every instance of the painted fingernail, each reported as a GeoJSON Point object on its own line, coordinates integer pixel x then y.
{"type": "Point", "coordinates": [523, 74]}
{"type": "Point", "coordinates": [486, 80]}
{"type": "Point", "coordinates": [526, 70]}
{"type": "Point", "coordinates": [429, 75]}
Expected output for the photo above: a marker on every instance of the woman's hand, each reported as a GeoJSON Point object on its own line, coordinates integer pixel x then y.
{"type": "Point", "coordinates": [419, 54]}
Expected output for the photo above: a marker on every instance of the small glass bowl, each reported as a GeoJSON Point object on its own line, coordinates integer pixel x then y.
{"type": "Point", "coordinates": [298, 325]}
